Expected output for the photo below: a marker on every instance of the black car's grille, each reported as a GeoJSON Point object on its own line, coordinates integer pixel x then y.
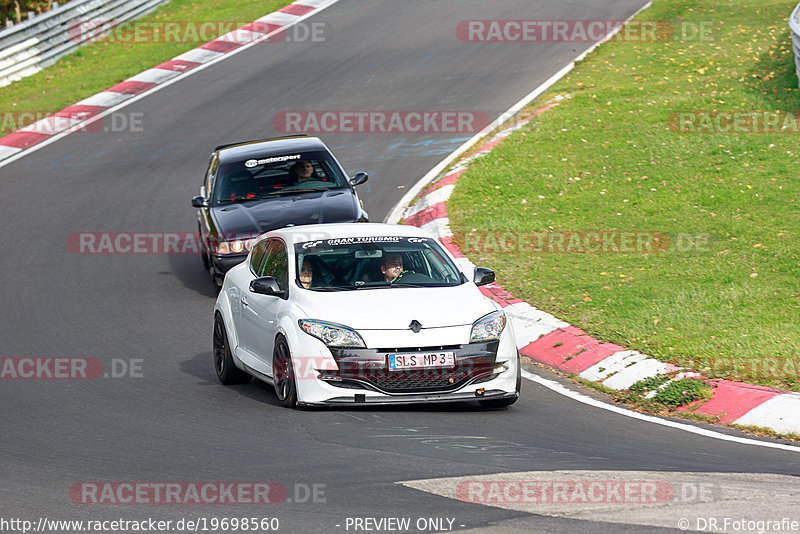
{"type": "Point", "coordinates": [367, 367]}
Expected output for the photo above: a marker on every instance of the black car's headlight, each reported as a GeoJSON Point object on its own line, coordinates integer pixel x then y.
{"type": "Point", "coordinates": [488, 327]}
{"type": "Point", "coordinates": [332, 334]}
{"type": "Point", "coordinates": [235, 246]}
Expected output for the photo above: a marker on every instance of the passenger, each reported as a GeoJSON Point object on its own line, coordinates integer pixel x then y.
{"type": "Point", "coordinates": [306, 274]}
{"type": "Point", "coordinates": [392, 267]}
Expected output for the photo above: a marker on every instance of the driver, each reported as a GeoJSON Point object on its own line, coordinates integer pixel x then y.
{"type": "Point", "coordinates": [303, 171]}
{"type": "Point", "coordinates": [392, 267]}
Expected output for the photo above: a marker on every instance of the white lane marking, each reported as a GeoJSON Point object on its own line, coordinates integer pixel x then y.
{"type": "Point", "coordinates": [284, 19]}
{"type": "Point", "coordinates": [530, 323]}
{"type": "Point", "coordinates": [612, 364]}
{"type": "Point", "coordinates": [106, 99]}
{"type": "Point", "coordinates": [580, 397]}
{"type": "Point", "coordinates": [431, 199]}
{"type": "Point", "coordinates": [781, 413]}
{"type": "Point", "coordinates": [154, 75]}
{"type": "Point", "coordinates": [198, 55]}
{"type": "Point", "coordinates": [439, 228]}
{"type": "Point", "coordinates": [7, 151]}
{"type": "Point", "coordinates": [634, 373]}
{"type": "Point", "coordinates": [22, 153]}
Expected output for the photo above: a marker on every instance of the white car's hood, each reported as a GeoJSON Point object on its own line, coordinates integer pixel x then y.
{"type": "Point", "coordinates": [395, 308]}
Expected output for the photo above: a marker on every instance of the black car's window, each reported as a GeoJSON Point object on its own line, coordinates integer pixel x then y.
{"type": "Point", "coordinates": [257, 258]}
{"type": "Point", "coordinates": [355, 263]}
{"type": "Point", "coordinates": [208, 183]}
{"type": "Point", "coordinates": [275, 263]}
{"type": "Point", "coordinates": [259, 178]}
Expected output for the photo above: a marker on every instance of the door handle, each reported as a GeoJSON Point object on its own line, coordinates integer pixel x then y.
{"type": "Point", "coordinates": [244, 301]}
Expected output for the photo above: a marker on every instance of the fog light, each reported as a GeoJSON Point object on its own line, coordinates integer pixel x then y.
{"type": "Point", "coordinates": [500, 368]}
{"type": "Point", "coordinates": [328, 377]}
{"type": "Point", "coordinates": [480, 392]}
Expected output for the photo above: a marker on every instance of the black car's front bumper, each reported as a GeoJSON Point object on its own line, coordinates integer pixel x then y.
{"type": "Point", "coordinates": [222, 264]}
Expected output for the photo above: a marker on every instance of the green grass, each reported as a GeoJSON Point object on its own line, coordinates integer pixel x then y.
{"type": "Point", "coordinates": [102, 64]}
{"type": "Point", "coordinates": [723, 296]}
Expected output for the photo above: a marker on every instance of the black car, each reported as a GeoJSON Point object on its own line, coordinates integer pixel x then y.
{"type": "Point", "coordinates": [257, 186]}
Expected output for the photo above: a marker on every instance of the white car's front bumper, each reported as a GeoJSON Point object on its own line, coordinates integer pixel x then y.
{"type": "Point", "coordinates": [495, 376]}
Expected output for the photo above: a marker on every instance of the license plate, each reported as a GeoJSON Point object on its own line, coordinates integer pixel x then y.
{"type": "Point", "coordinates": [422, 360]}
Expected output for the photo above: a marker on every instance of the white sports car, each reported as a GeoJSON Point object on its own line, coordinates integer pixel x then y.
{"type": "Point", "coordinates": [343, 314]}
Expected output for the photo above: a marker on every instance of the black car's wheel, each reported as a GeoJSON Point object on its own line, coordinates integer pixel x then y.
{"type": "Point", "coordinates": [283, 373]}
{"type": "Point", "coordinates": [226, 370]}
{"type": "Point", "coordinates": [215, 282]}
{"type": "Point", "coordinates": [203, 250]}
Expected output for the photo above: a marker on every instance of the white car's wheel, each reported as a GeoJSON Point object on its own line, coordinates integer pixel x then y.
{"type": "Point", "coordinates": [226, 370]}
{"type": "Point", "coordinates": [283, 373]}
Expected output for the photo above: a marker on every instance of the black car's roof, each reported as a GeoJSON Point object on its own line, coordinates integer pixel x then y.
{"type": "Point", "coordinates": [268, 147]}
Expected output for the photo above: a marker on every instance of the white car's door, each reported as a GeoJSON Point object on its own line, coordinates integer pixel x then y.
{"type": "Point", "coordinates": [259, 313]}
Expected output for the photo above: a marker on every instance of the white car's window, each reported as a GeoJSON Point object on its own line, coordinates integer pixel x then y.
{"type": "Point", "coordinates": [275, 263]}
{"type": "Point", "coordinates": [375, 262]}
{"type": "Point", "coordinates": [257, 257]}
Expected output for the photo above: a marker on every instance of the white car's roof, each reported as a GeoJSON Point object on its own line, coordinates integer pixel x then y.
{"type": "Point", "coordinates": [311, 232]}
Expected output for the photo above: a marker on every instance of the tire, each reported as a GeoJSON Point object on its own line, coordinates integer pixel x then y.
{"type": "Point", "coordinates": [203, 250]}
{"type": "Point", "coordinates": [283, 374]}
{"type": "Point", "coordinates": [216, 285]}
{"type": "Point", "coordinates": [226, 370]}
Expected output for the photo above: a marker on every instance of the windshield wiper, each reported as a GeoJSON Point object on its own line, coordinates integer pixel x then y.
{"type": "Point", "coordinates": [230, 200]}
{"type": "Point", "coordinates": [337, 288]}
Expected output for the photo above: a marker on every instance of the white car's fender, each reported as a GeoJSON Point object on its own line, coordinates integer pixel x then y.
{"type": "Point", "coordinates": [308, 354]}
{"type": "Point", "coordinates": [223, 306]}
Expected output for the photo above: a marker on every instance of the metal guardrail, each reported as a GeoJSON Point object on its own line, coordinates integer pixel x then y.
{"type": "Point", "coordinates": [794, 24]}
{"type": "Point", "coordinates": [30, 46]}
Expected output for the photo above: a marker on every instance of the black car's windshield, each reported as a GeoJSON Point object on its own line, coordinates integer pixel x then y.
{"type": "Point", "coordinates": [375, 262]}
{"type": "Point", "coordinates": [259, 178]}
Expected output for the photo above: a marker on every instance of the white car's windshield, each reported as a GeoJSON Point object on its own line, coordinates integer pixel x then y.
{"type": "Point", "coordinates": [373, 262]}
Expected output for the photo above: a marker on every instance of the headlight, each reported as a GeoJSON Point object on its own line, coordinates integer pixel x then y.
{"type": "Point", "coordinates": [488, 327]}
{"type": "Point", "coordinates": [237, 246]}
{"type": "Point", "coordinates": [333, 335]}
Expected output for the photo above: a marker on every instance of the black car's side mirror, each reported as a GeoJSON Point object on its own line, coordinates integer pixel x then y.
{"type": "Point", "coordinates": [483, 276]}
{"type": "Point", "coordinates": [199, 202]}
{"type": "Point", "coordinates": [359, 179]}
{"type": "Point", "coordinates": [267, 285]}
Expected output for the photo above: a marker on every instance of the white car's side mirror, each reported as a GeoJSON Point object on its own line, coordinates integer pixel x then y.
{"type": "Point", "coordinates": [482, 276]}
